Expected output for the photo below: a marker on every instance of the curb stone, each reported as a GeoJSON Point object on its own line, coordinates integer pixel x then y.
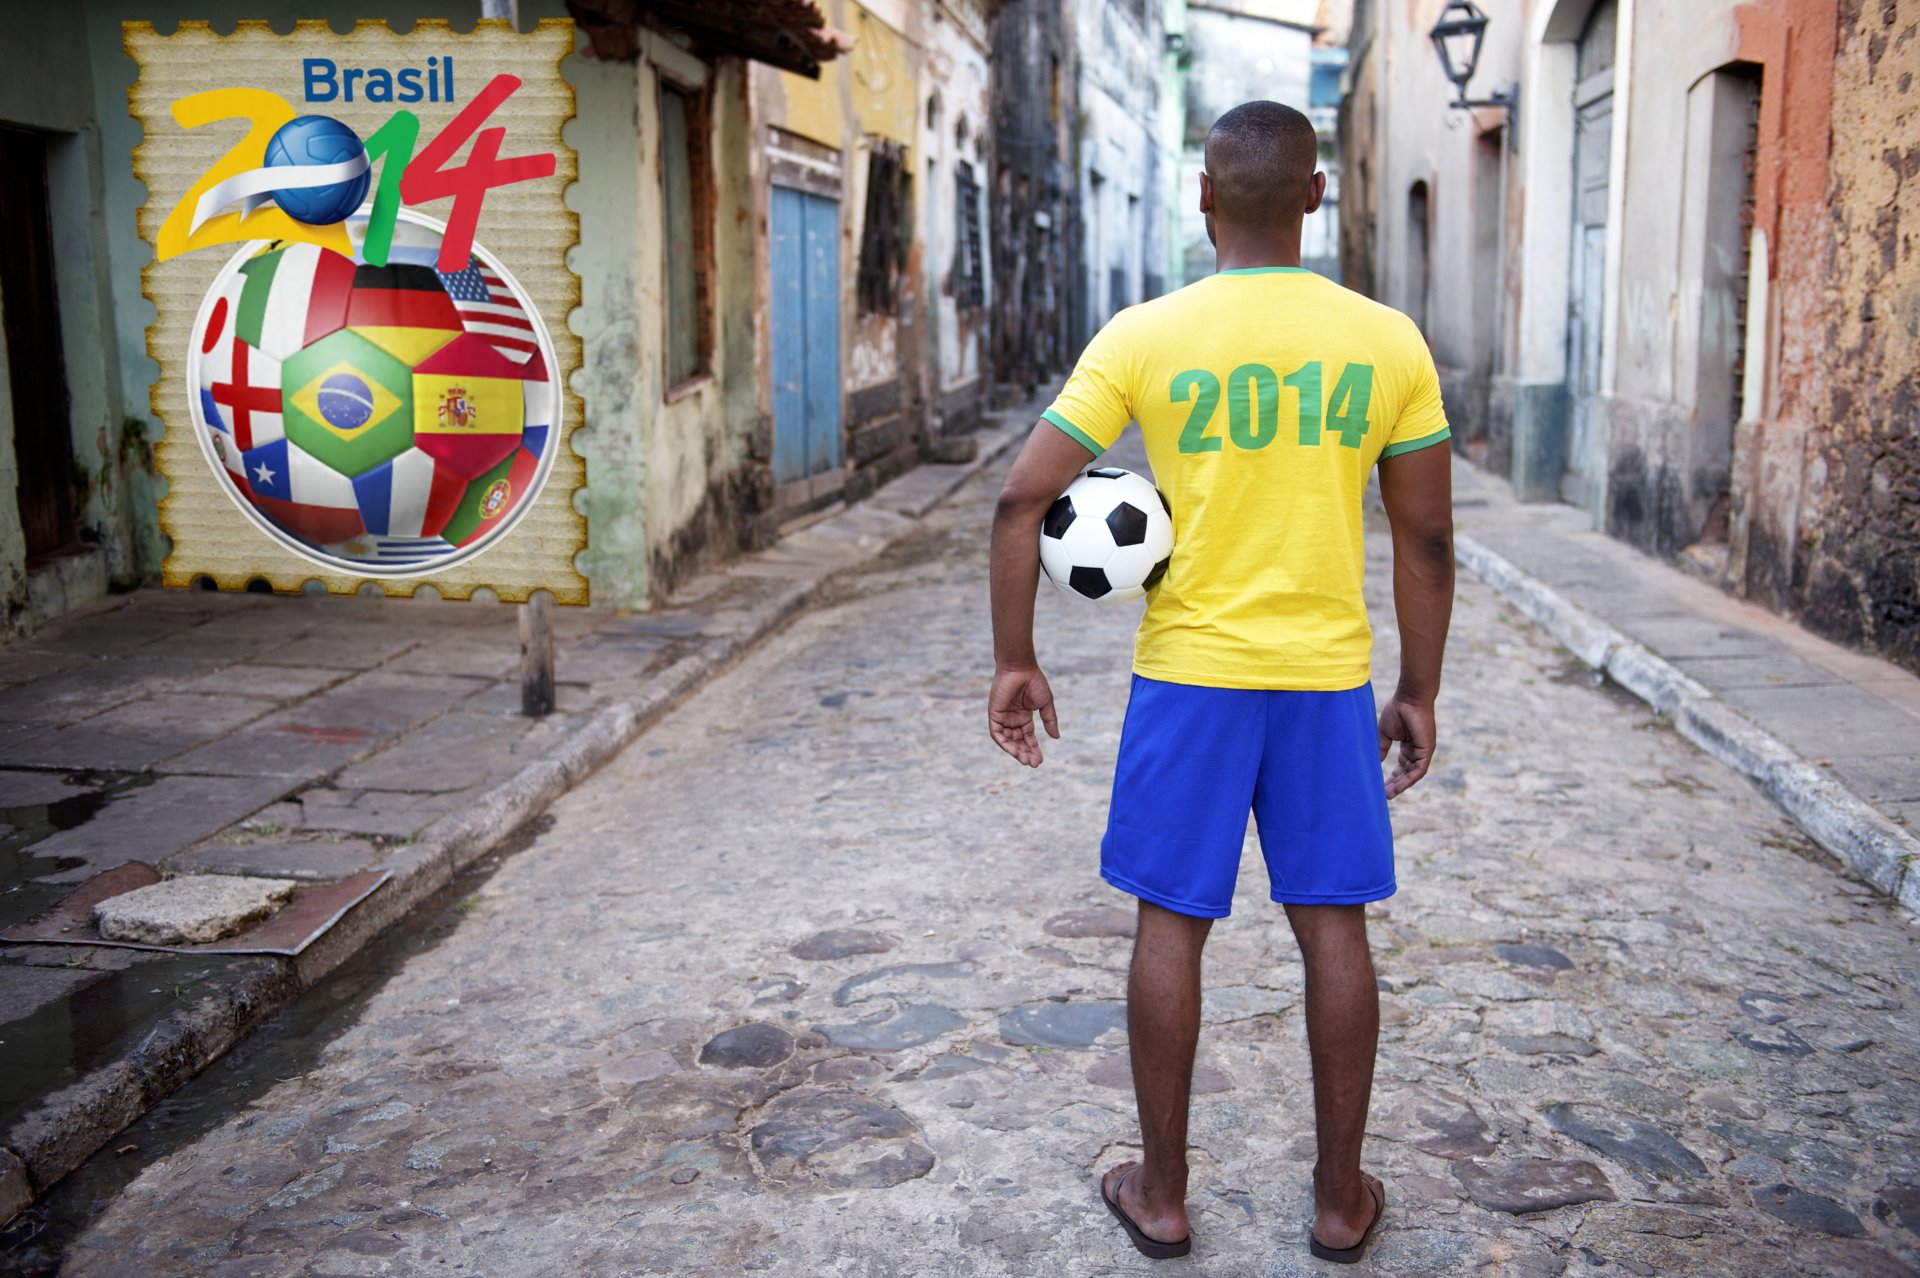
{"type": "Point", "coordinates": [71, 1124]}
{"type": "Point", "coordinates": [1848, 827]}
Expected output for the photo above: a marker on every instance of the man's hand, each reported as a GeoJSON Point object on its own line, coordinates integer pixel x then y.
{"type": "Point", "coordinates": [1411, 724]}
{"type": "Point", "coordinates": [1417, 489]}
{"type": "Point", "coordinates": [1016, 697]}
{"type": "Point", "coordinates": [1046, 465]}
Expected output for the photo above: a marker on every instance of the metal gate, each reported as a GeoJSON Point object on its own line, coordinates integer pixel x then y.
{"type": "Point", "coordinates": [806, 335]}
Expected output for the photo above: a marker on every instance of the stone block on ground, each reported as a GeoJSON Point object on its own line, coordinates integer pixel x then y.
{"type": "Point", "coordinates": [1532, 1184]}
{"type": "Point", "coordinates": [191, 910]}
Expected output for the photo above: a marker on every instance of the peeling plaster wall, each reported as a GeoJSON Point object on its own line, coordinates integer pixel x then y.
{"type": "Point", "coordinates": [671, 486]}
{"type": "Point", "coordinates": [702, 492]}
{"type": "Point", "coordinates": [1669, 451]}
{"type": "Point", "coordinates": [1119, 101]}
{"type": "Point", "coordinates": [1858, 570]}
{"type": "Point", "coordinates": [963, 131]}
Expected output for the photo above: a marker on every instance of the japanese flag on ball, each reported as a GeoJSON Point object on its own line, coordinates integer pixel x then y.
{"type": "Point", "coordinates": [1109, 536]}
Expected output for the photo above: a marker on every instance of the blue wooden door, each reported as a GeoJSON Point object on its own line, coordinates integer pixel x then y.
{"type": "Point", "coordinates": [806, 334]}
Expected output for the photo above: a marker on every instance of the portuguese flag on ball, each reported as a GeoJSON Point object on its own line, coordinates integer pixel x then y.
{"type": "Point", "coordinates": [491, 498]}
{"type": "Point", "coordinates": [468, 406]}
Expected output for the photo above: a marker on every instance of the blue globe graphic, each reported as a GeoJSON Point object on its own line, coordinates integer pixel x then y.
{"type": "Point", "coordinates": [318, 139]}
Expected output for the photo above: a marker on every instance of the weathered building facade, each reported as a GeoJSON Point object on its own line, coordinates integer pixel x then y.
{"type": "Point", "coordinates": [1677, 296]}
{"type": "Point", "coordinates": [1035, 230]}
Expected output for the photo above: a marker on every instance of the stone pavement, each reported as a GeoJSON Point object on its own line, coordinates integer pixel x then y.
{"type": "Point", "coordinates": [1830, 734]}
{"type": "Point", "coordinates": [309, 738]}
{"type": "Point", "coordinates": [811, 980]}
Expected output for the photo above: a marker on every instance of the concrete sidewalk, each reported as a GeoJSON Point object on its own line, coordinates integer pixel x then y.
{"type": "Point", "coordinates": [311, 738]}
{"type": "Point", "coordinates": [1831, 734]}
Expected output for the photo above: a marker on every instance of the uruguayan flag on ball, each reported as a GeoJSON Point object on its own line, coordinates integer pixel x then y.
{"type": "Point", "coordinates": [392, 552]}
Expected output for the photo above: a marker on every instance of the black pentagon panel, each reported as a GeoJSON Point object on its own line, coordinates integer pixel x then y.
{"type": "Point", "coordinates": [1128, 524]}
{"type": "Point", "coordinates": [1164, 502]}
{"type": "Point", "coordinates": [1159, 571]}
{"type": "Point", "coordinates": [1106, 472]}
{"type": "Point", "coordinates": [1059, 518]}
{"type": "Point", "coordinates": [1091, 582]}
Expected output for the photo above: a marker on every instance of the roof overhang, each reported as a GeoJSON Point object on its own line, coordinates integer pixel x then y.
{"type": "Point", "coordinates": [789, 34]}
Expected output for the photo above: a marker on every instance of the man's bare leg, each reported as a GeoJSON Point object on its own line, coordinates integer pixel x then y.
{"type": "Point", "coordinates": [1163, 1030]}
{"type": "Point", "coordinates": [1343, 1033]}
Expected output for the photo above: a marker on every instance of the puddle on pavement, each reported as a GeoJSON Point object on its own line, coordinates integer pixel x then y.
{"type": "Point", "coordinates": [288, 1045]}
{"type": "Point", "coordinates": [22, 895]}
{"type": "Point", "coordinates": [89, 1025]}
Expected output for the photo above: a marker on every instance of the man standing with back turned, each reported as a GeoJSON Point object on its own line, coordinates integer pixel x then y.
{"type": "Point", "coordinates": [1265, 395]}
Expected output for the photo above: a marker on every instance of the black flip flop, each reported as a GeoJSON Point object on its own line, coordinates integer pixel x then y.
{"type": "Point", "coordinates": [1151, 1248]}
{"type": "Point", "coordinates": [1351, 1255]}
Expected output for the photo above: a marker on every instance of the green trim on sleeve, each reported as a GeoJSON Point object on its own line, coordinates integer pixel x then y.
{"type": "Point", "coordinates": [1415, 445]}
{"type": "Point", "coordinates": [1074, 433]}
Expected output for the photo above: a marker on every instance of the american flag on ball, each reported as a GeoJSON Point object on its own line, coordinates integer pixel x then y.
{"type": "Point", "coordinates": [490, 310]}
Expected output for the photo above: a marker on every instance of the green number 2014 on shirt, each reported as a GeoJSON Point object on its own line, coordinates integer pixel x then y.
{"type": "Point", "coordinates": [1253, 406]}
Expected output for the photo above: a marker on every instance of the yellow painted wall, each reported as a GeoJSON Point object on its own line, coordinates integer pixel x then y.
{"type": "Point", "coordinates": [876, 80]}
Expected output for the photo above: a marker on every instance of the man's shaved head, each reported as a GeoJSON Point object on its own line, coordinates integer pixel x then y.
{"type": "Point", "coordinates": [1261, 158]}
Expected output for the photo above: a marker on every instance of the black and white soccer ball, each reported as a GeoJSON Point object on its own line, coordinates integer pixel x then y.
{"type": "Point", "coordinates": [1108, 537]}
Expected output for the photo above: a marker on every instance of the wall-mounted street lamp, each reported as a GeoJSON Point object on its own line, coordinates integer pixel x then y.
{"type": "Point", "coordinates": [1457, 37]}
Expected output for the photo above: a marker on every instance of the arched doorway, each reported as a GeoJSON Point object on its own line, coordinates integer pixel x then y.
{"type": "Point", "coordinates": [1419, 255]}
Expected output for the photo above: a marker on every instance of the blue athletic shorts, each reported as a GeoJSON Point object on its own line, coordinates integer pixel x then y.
{"type": "Point", "coordinates": [1194, 760]}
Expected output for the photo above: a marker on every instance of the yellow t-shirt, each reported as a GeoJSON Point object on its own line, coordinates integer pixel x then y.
{"type": "Point", "coordinates": [1265, 397]}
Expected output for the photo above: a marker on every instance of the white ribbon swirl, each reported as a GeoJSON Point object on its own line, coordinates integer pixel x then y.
{"type": "Point", "coordinates": [252, 189]}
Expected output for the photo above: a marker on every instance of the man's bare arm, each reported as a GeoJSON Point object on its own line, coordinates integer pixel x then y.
{"type": "Point", "coordinates": [1046, 465]}
{"type": "Point", "coordinates": [1417, 489]}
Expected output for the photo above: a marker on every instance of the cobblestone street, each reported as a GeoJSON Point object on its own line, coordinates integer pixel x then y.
{"type": "Point", "coordinates": [812, 980]}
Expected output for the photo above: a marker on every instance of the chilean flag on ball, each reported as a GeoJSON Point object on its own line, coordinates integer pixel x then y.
{"type": "Point", "coordinates": [306, 497]}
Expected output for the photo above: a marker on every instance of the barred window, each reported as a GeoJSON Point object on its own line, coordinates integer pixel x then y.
{"type": "Point", "coordinates": [969, 280]}
{"type": "Point", "coordinates": [888, 230]}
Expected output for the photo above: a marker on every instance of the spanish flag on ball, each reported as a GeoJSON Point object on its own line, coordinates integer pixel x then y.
{"type": "Point", "coordinates": [468, 406]}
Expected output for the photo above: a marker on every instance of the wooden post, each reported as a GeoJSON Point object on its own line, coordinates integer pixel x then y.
{"type": "Point", "coordinates": [536, 655]}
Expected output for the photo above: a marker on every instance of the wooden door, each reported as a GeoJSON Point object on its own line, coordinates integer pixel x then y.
{"type": "Point", "coordinates": [1586, 294]}
{"type": "Point", "coordinates": [42, 426]}
{"type": "Point", "coordinates": [805, 259]}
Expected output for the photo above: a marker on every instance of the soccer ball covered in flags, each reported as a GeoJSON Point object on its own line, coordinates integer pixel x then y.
{"type": "Point", "coordinates": [385, 420]}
